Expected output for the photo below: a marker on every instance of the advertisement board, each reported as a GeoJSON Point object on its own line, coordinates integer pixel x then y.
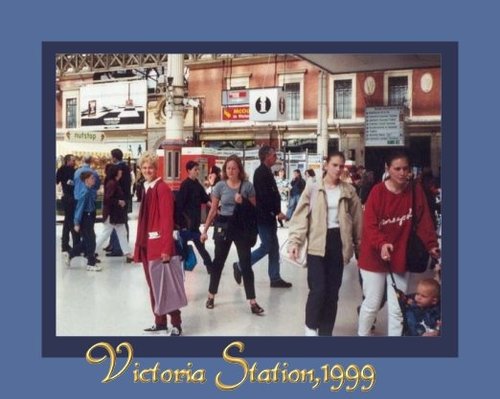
{"type": "Point", "coordinates": [113, 106]}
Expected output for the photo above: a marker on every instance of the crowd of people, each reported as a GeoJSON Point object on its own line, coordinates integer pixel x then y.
{"type": "Point", "coordinates": [338, 213]}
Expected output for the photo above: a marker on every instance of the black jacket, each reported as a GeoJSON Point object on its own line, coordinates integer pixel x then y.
{"type": "Point", "coordinates": [188, 204]}
{"type": "Point", "coordinates": [267, 195]}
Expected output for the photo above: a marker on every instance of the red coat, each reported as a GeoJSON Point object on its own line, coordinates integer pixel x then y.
{"type": "Point", "coordinates": [387, 219]}
{"type": "Point", "coordinates": [156, 223]}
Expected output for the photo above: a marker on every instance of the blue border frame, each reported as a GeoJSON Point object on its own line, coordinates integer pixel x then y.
{"type": "Point", "coordinates": [444, 346]}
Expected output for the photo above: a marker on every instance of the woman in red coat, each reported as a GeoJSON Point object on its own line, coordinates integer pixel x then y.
{"type": "Point", "coordinates": [387, 224]}
{"type": "Point", "coordinates": [155, 243]}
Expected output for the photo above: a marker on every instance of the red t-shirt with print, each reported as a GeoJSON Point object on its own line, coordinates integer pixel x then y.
{"type": "Point", "coordinates": [388, 219]}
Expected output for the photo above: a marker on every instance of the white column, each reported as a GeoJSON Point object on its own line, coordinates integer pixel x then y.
{"type": "Point", "coordinates": [322, 114]}
{"type": "Point", "coordinates": [174, 124]}
{"type": "Point", "coordinates": [175, 113]}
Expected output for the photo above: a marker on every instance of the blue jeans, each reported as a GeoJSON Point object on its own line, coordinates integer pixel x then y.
{"type": "Point", "coordinates": [292, 204]}
{"type": "Point", "coordinates": [269, 245]}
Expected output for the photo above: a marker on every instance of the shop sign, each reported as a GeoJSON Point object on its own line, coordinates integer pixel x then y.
{"type": "Point", "coordinates": [235, 113]}
{"type": "Point", "coordinates": [384, 126]}
{"type": "Point", "coordinates": [85, 137]}
{"type": "Point", "coordinates": [234, 97]}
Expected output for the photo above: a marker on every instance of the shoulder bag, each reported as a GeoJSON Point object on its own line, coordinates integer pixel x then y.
{"type": "Point", "coordinates": [417, 256]}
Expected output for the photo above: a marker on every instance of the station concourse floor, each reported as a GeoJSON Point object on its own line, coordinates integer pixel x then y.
{"type": "Point", "coordinates": [115, 301]}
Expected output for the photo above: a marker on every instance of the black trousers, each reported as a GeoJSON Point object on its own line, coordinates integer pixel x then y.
{"type": "Point", "coordinates": [87, 242]}
{"type": "Point", "coordinates": [69, 205]}
{"type": "Point", "coordinates": [243, 248]}
{"type": "Point", "coordinates": [324, 278]}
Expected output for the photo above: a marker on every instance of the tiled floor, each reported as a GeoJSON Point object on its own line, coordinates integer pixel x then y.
{"type": "Point", "coordinates": [115, 301]}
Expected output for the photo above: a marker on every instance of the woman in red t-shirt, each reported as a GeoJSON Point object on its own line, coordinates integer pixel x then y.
{"type": "Point", "coordinates": [387, 224]}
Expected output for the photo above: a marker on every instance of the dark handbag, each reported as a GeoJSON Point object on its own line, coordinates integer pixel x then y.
{"type": "Point", "coordinates": [221, 229]}
{"type": "Point", "coordinates": [417, 256]}
{"type": "Point", "coordinates": [244, 221]}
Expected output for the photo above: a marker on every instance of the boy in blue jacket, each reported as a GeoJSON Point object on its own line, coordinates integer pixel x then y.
{"type": "Point", "coordinates": [84, 221]}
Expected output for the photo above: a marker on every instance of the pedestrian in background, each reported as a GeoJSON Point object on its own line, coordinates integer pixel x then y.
{"type": "Point", "coordinates": [84, 222]}
{"type": "Point", "coordinates": [64, 176]}
{"type": "Point", "coordinates": [297, 185]}
{"type": "Point", "coordinates": [189, 199]}
{"type": "Point", "coordinates": [268, 203]}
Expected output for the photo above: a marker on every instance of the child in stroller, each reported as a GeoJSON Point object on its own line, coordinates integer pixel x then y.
{"type": "Point", "coordinates": [422, 310]}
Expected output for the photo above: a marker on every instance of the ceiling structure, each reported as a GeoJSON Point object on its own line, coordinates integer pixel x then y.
{"type": "Point", "coordinates": [349, 63]}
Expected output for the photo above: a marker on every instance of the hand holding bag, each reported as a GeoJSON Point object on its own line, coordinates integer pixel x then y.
{"type": "Point", "coordinates": [417, 256]}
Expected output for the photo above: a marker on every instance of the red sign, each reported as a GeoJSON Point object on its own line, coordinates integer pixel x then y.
{"type": "Point", "coordinates": [235, 113]}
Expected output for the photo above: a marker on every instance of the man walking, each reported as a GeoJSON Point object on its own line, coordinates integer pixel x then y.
{"type": "Point", "coordinates": [188, 211]}
{"type": "Point", "coordinates": [268, 212]}
{"type": "Point", "coordinates": [64, 176]}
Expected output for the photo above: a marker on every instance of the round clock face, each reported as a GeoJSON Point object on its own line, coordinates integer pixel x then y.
{"type": "Point", "coordinates": [369, 85]}
{"type": "Point", "coordinates": [426, 82]}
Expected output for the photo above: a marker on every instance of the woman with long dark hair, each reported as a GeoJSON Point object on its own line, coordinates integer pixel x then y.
{"type": "Point", "coordinates": [387, 224]}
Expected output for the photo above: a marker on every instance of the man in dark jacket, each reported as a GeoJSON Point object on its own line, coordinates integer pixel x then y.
{"type": "Point", "coordinates": [64, 176]}
{"type": "Point", "coordinates": [188, 203]}
{"type": "Point", "coordinates": [125, 183]}
{"type": "Point", "coordinates": [268, 211]}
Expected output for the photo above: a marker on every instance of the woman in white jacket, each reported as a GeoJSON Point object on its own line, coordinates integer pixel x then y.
{"type": "Point", "coordinates": [329, 215]}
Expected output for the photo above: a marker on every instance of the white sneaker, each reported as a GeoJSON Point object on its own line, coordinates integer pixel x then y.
{"type": "Point", "coordinates": [66, 259]}
{"type": "Point", "coordinates": [94, 268]}
{"type": "Point", "coordinates": [309, 332]}
{"type": "Point", "coordinates": [175, 332]}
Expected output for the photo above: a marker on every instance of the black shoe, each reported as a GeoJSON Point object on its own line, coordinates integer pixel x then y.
{"type": "Point", "coordinates": [129, 259]}
{"type": "Point", "coordinates": [156, 327]}
{"type": "Point", "coordinates": [176, 331]}
{"type": "Point", "coordinates": [209, 304]}
{"type": "Point", "coordinates": [280, 284]}
{"type": "Point", "coordinates": [109, 248]}
{"type": "Point", "coordinates": [256, 309]}
{"type": "Point", "coordinates": [236, 273]}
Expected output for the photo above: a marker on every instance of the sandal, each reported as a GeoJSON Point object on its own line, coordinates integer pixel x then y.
{"type": "Point", "coordinates": [256, 309]}
{"type": "Point", "coordinates": [210, 303]}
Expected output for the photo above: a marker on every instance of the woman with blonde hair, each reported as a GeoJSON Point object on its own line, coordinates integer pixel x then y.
{"type": "Point", "coordinates": [233, 189]}
{"type": "Point", "coordinates": [155, 243]}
